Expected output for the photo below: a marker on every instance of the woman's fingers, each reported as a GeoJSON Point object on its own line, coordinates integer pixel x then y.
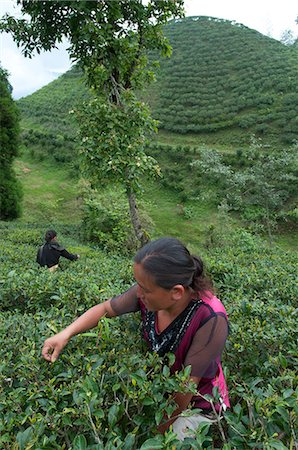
{"type": "Point", "coordinates": [47, 351]}
{"type": "Point", "coordinates": [52, 348]}
{"type": "Point", "coordinates": [55, 354]}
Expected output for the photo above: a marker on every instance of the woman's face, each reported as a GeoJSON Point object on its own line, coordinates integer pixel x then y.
{"type": "Point", "coordinates": [154, 297]}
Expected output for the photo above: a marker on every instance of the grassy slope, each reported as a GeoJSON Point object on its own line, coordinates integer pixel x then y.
{"type": "Point", "coordinates": [50, 195]}
{"type": "Point", "coordinates": [170, 220]}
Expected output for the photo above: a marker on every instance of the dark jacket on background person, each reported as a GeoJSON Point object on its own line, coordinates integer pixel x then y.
{"type": "Point", "coordinates": [49, 254]}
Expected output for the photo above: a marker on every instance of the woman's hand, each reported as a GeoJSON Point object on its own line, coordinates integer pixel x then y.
{"type": "Point", "coordinates": [53, 346]}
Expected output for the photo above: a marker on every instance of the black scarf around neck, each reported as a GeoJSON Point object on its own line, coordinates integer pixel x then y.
{"type": "Point", "coordinates": [169, 339]}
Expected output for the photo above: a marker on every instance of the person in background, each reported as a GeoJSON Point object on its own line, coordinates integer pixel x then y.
{"type": "Point", "coordinates": [48, 255]}
{"type": "Point", "coordinates": [180, 314]}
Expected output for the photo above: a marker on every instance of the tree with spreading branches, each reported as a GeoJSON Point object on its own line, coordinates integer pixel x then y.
{"type": "Point", "coordinates": [110, 40]}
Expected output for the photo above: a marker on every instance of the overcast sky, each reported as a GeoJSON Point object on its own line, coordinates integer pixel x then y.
{"type": "Point", "coordinates": [270, 17]}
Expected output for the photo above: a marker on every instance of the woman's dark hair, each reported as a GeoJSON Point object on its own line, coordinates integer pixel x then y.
{"type": "Point", "coordinates": [50, 234]}
{"type": "Point", "coordinates": [169, 262]}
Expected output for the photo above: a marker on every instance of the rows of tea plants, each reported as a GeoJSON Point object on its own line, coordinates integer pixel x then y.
{"type": "Point", "coordinates": [106, 391]}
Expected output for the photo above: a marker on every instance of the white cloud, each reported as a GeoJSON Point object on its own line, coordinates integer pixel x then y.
{"type": "Point", "coordinates": [267, 16]}
{"type": "Point", "coordinates": [28, 75]}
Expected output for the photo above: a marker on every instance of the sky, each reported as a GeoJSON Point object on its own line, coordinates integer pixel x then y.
{"type": "Point", "coordinates": [269, 17]}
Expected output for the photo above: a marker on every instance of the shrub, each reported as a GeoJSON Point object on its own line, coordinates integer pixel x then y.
{"type": "Point", "coordinates": [106, 222]}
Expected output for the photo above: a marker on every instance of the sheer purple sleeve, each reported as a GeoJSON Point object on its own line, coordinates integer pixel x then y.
{"type": "Point", "coordinates": [207, 346]}
{"type": "Point", "coordinates": [126, 302]}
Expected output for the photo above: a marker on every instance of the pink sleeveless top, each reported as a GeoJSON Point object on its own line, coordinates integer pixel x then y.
{"type": "Point", "coordinates": [210, 307]}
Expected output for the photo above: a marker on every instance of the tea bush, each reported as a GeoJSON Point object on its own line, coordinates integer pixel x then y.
{"type": "Point", "coordinates": [106, 391]}
{"type": "Point", "coordinates": [98, 389]}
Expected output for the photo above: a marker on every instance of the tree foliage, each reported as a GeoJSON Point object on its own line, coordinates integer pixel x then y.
{"type": "Point", "coordinates": [10, 189]}
{"type": "Point", "coordinates": [114, 141]}
{"type": "Point", "coordinates": [107, 38]}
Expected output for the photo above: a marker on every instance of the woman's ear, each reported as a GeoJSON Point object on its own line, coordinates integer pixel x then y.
{"type": "Point", "coordinates": [177, 292]}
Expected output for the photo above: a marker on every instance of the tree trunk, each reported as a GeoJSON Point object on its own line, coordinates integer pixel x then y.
{"type": "Point", "coordinates": [135, 219]}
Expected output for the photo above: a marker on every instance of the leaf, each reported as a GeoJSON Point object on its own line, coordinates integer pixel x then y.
{"type": "Point", "coordinates": [226, 447]}
{"type": "Point", "coordinates": [287, 393]}
{"type": "Point", "coordinates": [283, 361]}
{"type": "Point", "coordinates": [77, 398]}
{"type": "Point", "coordinates": [79, 443]}
{"type": "Point", "coordinates": [237, 409]}
{"type": "Point", "coordinates": [52, 327]}
{"type": "Point", "coordinates": [148, 401]}
{"type": "Point", "coordinates": [166, 371]}
{"type": "Point", "coordinates": [152, 444]}
{"type": "Point", "coordinates": [256, 381]}
{"type": "Point", "coordinates": [98, 363]}
{"type": "Point", "coordinates": [158, 417]}
{"type": "Point", "coordinates": [113, 415]}
{"type": "Point", "coordinates": [277, 445]}
{"type": "Point", "coordinates": [116, 387]}
{"type": "Point", "coordinates": [171, 358]}
{"type": "Point", "coordinates": [24, 437]}
{"type": "Point", "coordinates": [283, 413]}
{"type": "Point", "coordinates": [11, 273]}
{"type": "Point", "coordinates": [129, 442]}
{"type": "Point", "coordinates": [90, 334]}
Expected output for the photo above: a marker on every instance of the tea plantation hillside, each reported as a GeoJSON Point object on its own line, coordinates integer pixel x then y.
{"type": "Point", "coordinates": [223, 82]}
{"type": "Point", "coordinates": [225, 76]}
{"type": "Point", "coordinates": [106, 391]}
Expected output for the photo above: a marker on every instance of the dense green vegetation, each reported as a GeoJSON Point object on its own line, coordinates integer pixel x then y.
{"type": "Point", "coordinates": [10, 188]}
{"type": "Point", "coordinates": [228, 53]}
{"type": "Point", "coordinates": [258, 184]}
{"type": "Point", "coordinates": [78, 402]}
{"type": "Point", "coordinates": [105, 391]}
{"type": "Point", "coordinates": [112, 50]}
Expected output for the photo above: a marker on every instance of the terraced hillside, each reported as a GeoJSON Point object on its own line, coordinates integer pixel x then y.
{"type": "Point", "coordinates": [223, 80]}
{"type": "Point", "coordinates": [223, 75]}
